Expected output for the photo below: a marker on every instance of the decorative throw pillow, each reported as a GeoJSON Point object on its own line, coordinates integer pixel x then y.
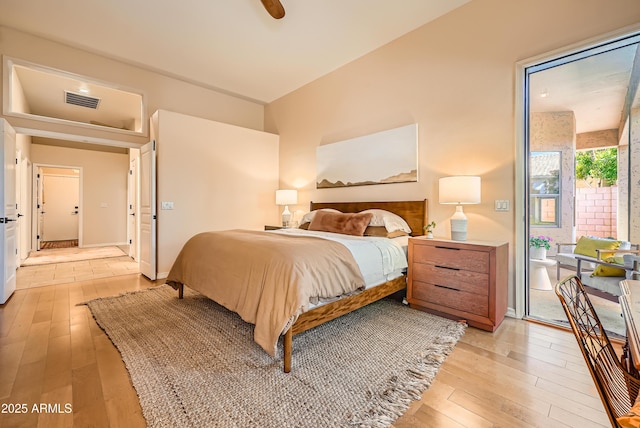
{"type": "Point", "coordinates": [381, 232]}
{"type": "Point", "coordinates": [588, 246]}
{"type": "Point", "coordinates": [345, 223]}
{"type": "Point", "coordinates": [310, 215]}
{"type": "Point", "coordinates": [632, 418]}
{"type": "Point", "coordinates": [604, 270]}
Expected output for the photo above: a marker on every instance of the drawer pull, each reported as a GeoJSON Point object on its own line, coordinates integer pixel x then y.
{"type": "Point", "coordinates": [446, 267]}
{"type": "Point", "coordinates": [444, 286]}
{"type": "Point", "coordinates": [447, 248]}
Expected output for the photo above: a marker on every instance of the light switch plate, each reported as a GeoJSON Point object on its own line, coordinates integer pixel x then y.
{"type": "Point", "coordinates": [166, 205]}
{"type": "Point", "coordinates": [502, 205]}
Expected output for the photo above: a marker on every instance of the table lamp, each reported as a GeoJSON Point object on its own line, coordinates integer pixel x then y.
{"type": "Point", "coordinates": [286, 197]}
{"type": "Point", "coordinates": [459, 190]}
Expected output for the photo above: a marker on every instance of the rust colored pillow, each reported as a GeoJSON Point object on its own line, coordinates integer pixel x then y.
{"type": "Point", "coordinates": [345, 223]}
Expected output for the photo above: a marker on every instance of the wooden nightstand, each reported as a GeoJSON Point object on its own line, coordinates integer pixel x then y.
{"type": "Point", "coordinates": [462, 280]}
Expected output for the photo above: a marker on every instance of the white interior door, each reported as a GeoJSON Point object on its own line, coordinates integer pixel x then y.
{"type": "Point", "coordinates": [61, 201]}
{"type": "Point", "coordinates": [147, 210]}
{"type": "Point", "coordinates": [8, 228]}
{"type": "Point", "coordinates": [132, 228]}
{"type": "Point", "coordinates": [39, 214]}
{"type": "Point", "coordinates": [24, 208]}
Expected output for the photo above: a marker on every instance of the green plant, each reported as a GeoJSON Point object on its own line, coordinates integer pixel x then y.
{"type": "Point", "coordinates": [429, 227]}
{"type": "Point", "coordinates": [540, 241]}
{"type": "Point", "coordinates": [600, 165]}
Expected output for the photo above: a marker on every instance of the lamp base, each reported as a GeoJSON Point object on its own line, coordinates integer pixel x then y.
{"type": "Point", "coordinates": [459, 225]}
{"type": "Point", "coordinates": [286, 217]}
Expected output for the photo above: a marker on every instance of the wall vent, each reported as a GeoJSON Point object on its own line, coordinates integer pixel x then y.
{"type": "Point", "coordinates": [81, 100]}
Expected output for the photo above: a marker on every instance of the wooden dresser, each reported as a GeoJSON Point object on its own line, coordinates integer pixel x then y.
{"type": "Point", "coordinates": [462, 280]}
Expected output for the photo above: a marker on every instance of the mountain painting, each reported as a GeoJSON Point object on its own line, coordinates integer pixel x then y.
{"type": "Point", "coordinates": [384, 157]}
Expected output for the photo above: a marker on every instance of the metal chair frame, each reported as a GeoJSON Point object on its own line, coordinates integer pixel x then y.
{"type": "Point", "coordinates": [617, 388]}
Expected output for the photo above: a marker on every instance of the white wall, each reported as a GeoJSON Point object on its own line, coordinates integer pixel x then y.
{"type": "Point", "coordinates": [218, 177]}
{"type": "Point", "coordinates": [104, 181]}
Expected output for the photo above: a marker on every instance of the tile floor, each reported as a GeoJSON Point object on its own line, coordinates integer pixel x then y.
{"type": "Point", "coordinates": [61, 273]}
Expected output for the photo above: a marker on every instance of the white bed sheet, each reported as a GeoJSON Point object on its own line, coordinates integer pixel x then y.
{"type": "Point", "coordinates": [379, 259]}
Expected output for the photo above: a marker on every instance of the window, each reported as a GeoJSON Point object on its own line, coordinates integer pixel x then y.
{"type": "Point", "coordinates": [545, 189]}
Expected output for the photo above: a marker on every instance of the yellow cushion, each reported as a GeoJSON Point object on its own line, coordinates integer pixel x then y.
{"type": "Point", "coordinates": [632, 418]}
{"type": "Point", "coordinates": [603, 270]}
{"type": "Point", "coordinates": [588, 246]}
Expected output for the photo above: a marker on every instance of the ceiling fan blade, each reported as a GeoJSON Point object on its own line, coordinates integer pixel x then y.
{"type": "Point", "coordinates": [274, 7]}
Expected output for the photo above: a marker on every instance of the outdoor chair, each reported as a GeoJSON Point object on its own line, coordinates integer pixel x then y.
{"type": "Point", "coordinates": [567, 253]}
{"type": "Point", "coordinates": [604, 279]}
{"type": "Point", "coordinates": [617, 388]}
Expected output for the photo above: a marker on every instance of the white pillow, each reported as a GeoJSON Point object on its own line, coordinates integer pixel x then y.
{"type": "Point", "coordinates": [310, 215]}
{"type": "Point", "coordinates": [389, 220]}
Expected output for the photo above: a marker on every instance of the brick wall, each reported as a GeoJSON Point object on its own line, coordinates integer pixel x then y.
{"type": "Point", "coordinates": [596, 211]}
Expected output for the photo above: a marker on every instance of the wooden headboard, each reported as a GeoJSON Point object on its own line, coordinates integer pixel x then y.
{"type": "Point", "coordinates": [414, 212]}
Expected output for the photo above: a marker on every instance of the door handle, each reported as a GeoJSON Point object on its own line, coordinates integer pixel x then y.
{"type": "Point", "coordinates": [74, 212]}
{"type": "Point", "coordinates": [6, 219]}
{"type": "Point", "coordinates": [20, 215]}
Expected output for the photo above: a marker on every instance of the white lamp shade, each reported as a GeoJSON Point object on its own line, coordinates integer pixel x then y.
{"type": "Point", "coordinates": [464, 189]}
{"type": "Point", "coordinates": [286, 197]}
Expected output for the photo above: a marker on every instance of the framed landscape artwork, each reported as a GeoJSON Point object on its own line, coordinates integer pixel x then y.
{"type": "Point", "coordinates": [381, 158]}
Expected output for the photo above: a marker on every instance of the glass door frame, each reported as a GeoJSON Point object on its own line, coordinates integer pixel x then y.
{"type": "Point", "coordinates": [524, 68]}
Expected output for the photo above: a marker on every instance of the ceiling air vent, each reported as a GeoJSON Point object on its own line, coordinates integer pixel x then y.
{"type": "Point", "coordinates": [81, 100]}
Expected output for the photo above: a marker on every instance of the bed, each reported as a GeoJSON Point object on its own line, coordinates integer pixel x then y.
{"type": "Point", "coordinates": [278, 311]}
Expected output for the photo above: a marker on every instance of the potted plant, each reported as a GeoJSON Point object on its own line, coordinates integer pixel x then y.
{"type": "Point", "coordinates": [429, 229]}
{"type": "Point", "coordinates": [538, 246]}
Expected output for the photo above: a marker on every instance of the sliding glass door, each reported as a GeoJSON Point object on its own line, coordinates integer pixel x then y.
{"type": "Point", "coordinates": [581, 117]}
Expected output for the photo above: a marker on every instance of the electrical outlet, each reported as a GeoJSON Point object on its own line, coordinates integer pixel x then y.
{"type": "Point", "coordinates": [167, 205]}
{"type": "Point", "coordinates": [502, 205]}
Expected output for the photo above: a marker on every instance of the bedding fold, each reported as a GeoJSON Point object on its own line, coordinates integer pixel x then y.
{"type": "Point", "coordinates": [267, 278]}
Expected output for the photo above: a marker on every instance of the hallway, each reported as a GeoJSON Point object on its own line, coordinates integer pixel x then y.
{"type": "Point", "coordinates": [74, 264]}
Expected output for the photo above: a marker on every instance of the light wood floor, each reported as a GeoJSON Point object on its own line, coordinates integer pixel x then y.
{"type": "Point", "coordinates": [52, 352]}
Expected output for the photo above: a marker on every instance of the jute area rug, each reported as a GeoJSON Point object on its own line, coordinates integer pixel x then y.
{"type": "Point", "coordinates": [195, 364]}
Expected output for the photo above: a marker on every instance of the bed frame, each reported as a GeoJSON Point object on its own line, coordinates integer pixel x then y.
{"type": "Point", "coordinates": [415, 214]}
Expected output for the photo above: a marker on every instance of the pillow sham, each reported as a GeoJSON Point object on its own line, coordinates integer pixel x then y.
{"type": "Point", "coordinates": [392, 222]}
{"type": "Point", "coordinates": [382, 232]}
{"type": "Point", "coordinates": [345, 223]}
{"type": "Point", "coordinates": [588, 246]}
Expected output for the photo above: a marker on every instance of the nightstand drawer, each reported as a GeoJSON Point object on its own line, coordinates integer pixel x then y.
{"type": "Point", "coordinates": [451, 298]}
{"type": "Point", "coordinates": [451, 257]}
{"type": "Point", "coordinates": [464, 280]}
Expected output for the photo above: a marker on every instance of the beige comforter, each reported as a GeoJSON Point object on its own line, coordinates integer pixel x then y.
{"type": "Point", "coordinates": [267, 278]}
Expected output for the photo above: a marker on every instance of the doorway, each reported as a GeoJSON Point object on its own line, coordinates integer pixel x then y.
{"type": "Point", "coordinates": [574, 102]}
{"type": "Point", "coordinates": [79, 212]}
{"type": "Point", "coordinates": [58, 206]}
